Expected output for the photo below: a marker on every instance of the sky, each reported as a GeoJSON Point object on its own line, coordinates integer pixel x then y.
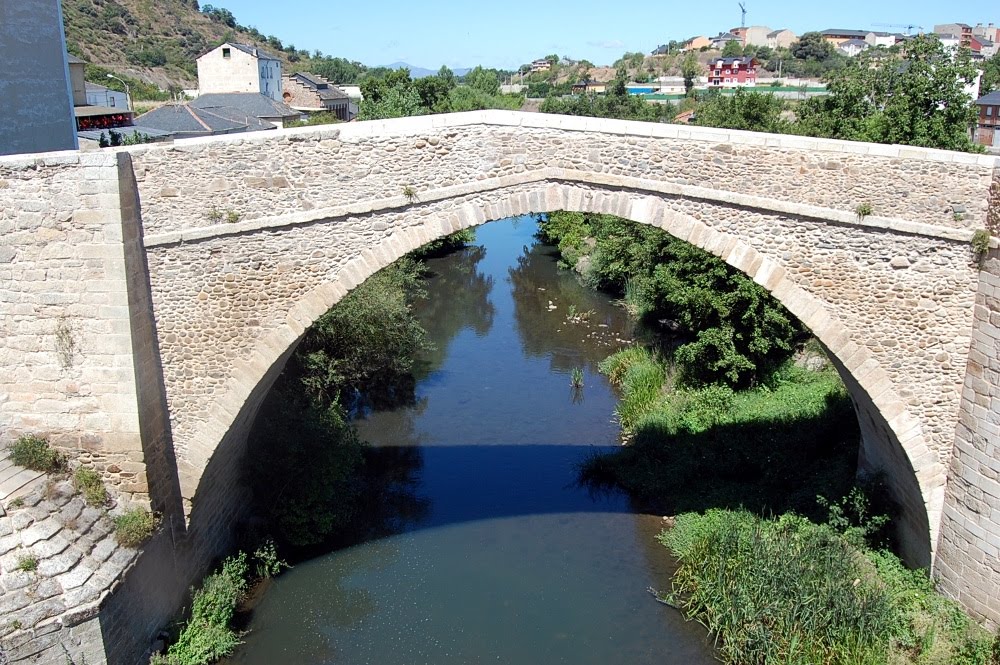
{"type": "Point", "coordinates": [509, 33]}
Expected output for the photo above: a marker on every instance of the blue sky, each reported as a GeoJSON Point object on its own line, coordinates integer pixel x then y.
{"type": "Point", "coordinates": [508, 33]}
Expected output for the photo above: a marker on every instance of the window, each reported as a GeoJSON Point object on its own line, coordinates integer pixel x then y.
{"type": "Point", "coordinates": [111, 100]}
{"type": "Point", "coordinates": [718, 72]}
{"type": "Point", "coordinates": [989, 111]}
{"type": "Point", "coordinates": [226, 53]}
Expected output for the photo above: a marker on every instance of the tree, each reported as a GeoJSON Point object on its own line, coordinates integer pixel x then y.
{"type": "Point", "coordinates": [391, 95]}
{"type": "Point", "coordinates": [434, 90]}
{"type": "Point", "coordinates": [812, 46]}
{"type": "Point", "coordinates": [991, 75]}
{"type": "Point", "coordinates": [690, 68]}
{"type": "Point", "coordinates": [912, 98]}
{"type": "Point", "coordinates": [447, 76]}
{"type": "Point", "coordinates": [732, 49]}
{"type": "Point", "coordinates": [484, 80]}
{"type": "Point", "coordinates": [749, 110]}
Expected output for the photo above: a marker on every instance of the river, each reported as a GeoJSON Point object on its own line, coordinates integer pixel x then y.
{"type": "Point", "coordinates": [492, 553]}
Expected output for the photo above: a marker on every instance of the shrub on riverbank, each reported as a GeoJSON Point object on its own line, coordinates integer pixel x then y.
{"type": "Point", "coordinates": [769, 449]}
{"type": "Point", "coordinates": [787, 590]}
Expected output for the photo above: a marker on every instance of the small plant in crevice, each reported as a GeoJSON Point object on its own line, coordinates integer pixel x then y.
{"type": "Point", "coordinates": [409, 193]}
{"type": "Point", "coordinates": [16, 503]}
{"type": "Point", "coordinates": [958, 216]}
{"type": "Point", "coordinates": [863, 210]}
{"type": "Point", "coordinates": [232, 216]}
{"type": "Point", "coordinates": [980, 245]}
{"type": "Point", "coordinates": [135, 526]}
{"type": "Point", "coordinates": [34, 452]}
{"type": "Point", "coordinates": [65, 344]}
{"type": "Point", "coordinates": [89, 483]}
{"type": "Point", "coordinates": [214, 215]}
{"type": "Point", "coordinates": [16, 624]}
{"type": "Point", "coordinates": [27, 563]}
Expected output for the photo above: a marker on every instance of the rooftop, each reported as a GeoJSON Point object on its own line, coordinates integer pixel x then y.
{"type": "Point", "coordinates": [992, 99]}
{"type": "Point", "coordinates": [252, 104]}
{"type": "Point", "coordinates": [836, 32]}
{"type": "Point", "coordinates": [249, 49]}
{"type": "Point", "coordinates": [186, 119]}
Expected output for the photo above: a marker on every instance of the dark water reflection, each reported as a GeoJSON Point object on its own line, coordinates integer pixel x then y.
{"type": "Point", "coordinates": [486, 550]}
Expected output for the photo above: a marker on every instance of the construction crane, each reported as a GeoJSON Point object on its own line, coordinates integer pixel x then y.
{"type": "Point", "coordinates": [743, 20]}
{"type": "Point", "coordinates": [909, 28]}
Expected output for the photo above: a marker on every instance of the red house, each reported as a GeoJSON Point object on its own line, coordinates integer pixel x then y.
{"type": "Point", "coordinates": [733, 72]}
{"type": "Point", "coordinates": [988, 125]}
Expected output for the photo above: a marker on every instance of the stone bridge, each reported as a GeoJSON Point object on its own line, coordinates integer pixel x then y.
{"type": "Point", "coordinates": [152, 294]}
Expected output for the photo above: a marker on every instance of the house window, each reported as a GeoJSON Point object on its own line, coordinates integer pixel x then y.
{"type": "Point", "coordinates": [226, 52]}
{"type": "Point", "coordinates": [111, 101]}
{"type": "Point", "coordinates": [718, 72]}
{"type": "Point", "coordinates": [989, 111]}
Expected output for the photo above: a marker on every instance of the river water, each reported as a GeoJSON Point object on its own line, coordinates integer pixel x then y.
{"type": "Point", "coordinates": [490, 552]}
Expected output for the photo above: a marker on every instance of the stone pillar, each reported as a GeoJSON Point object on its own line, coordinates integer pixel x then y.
{"type": "Point", "coordinates": [968, 562]}
{"type": "Point", "coordinates": [38, 103]}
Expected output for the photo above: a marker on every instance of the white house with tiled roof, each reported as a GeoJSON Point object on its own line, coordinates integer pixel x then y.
{"type": "Point", "coordinates": [235, 67]}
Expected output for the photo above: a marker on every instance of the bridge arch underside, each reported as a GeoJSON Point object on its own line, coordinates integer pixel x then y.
{"type": "Point", "coordinates": [231, 308]}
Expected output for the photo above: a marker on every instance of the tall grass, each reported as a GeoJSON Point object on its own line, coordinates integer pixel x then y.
{"type": "Point", "coordinates": [788, 591]}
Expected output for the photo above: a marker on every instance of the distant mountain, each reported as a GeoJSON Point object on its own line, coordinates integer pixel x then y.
{"type": "Point", "coordinates": [421, 72]}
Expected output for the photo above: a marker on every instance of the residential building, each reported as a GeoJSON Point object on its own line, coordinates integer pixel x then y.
{"type": "Point", "coordinates": [589, 86]}
{"type": "Point", "coordinates": [34, 79]}
{"type": "Point", "coordinates": [963, 30]}
{"type": "Point", "coordinates": [247, 105]}
{"type": "Point", "coordinates": [988, 123]}
{"type": "Point", "coordinates": [988, 32]}
{"type": "Point", "coordinates": [756, 35]}
{"type": "Point", "coordinates": [733, 72]}
{"type": "Point", "coordinates": [783, 38]}
{"type": "Point", "coordinates": [99, 95]}
{"type": "Point", "coordinates": [886, 39]}
{"type": "Point", "coordinates": [949, 42]}
{"type": "Point", "coordinates": [852, 47]}
{"type": "Point", "coordinates": [837, 36]}
{"type": "Point", "coordinates": [235, 67]}
{"type": "Point", "coordinates": [987, 48]}
{"type": "Point", "coordinates": [697, 43]}
{"type": "Point", "coordinates": [312, 93]}
{"type": "Point", "coordinates": [723, 38]}
{"type": "Point", "coordinates": [185, 121]}
{"type": "Point", "coordinates": [541, 65]}
{"type": "Point", "coordinates": [98, 116]}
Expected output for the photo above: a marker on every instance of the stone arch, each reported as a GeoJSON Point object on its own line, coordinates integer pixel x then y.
{"type": "Point", "coordinates": [893, 436]}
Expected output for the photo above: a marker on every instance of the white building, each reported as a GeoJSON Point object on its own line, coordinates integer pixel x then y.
{"type": "Point", "coordinates": [240, 68]}
{"type": "Point", "coordinates": [783, 38]}
{"type": "Point", "coordinates": [886, 39]}
{"type": "Point", "coordinates": [99, 95]}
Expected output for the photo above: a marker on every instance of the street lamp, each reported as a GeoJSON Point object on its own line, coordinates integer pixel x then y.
{"type": "Point", "coordinates": [128, 95]}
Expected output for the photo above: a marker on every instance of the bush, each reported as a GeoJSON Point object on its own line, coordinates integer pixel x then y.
{"type": "Point", "coordinates": [27, 563]}
{"type": "Point", "coordinates": [89, 483]}
{"type": "Point", "coordinates": [34, 453]}
{"type": "Point", "coordinates": [787, 590]}
{"type": "Point", "coordinates": [135, 526]}
{"type": "Point", "coordinates": [207, 636]}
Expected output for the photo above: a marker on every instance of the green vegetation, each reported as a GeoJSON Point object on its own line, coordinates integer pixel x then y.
{"type": "Point", "coordinates": [769, 449]}
{"type": "Point", "coordinates": [27, 563]}
{"type": "Point", "coordinates": [445, 245]}
{"type": "Point", "coordinates": [321, 118]}
{"type": "Point", "coordinates": [980, 244]}
{"type": "Point", "coordinates": [787, 590]}
{"type": "Point", "coordinates": [134, 526]}
{"type": "Point", "coordinates": [138, 89]}
{"type": "Point", "coordinates": [34, 453]}
{"type": "Point", "coordinates": [914, 97]}
{"type": "Point", "coordinates": [616, 103]}
{"type": "Point", "coordinates": [743, 109]}
{"type": "Point", "coordinates": [394, 94]}
{"type": "Point", "coordinates": [862, 210]}
{"type": "Point", "coordinates": [730, 329]}
{"type": "Point", "coordinates": [89, 483]}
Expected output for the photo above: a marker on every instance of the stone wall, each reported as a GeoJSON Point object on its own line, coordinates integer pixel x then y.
{"type": "Point", "coordinates": [968, 564]}
{"type": "Point", "coordinates": [65, 330]}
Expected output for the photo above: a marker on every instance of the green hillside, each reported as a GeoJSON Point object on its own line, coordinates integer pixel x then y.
{"type": "Point", "coordinates": [157, 42]}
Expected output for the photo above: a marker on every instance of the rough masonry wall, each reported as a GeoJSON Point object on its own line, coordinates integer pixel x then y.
{"type": "Point", "coordinates": [303, 170]}
{"type": "Point", "coordinates": [65, 331]}
{"type": "Point", "coordinates": [969, 549]}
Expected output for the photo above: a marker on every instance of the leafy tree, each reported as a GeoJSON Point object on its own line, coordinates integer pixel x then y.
{"type": "Point", "coordinates": [447, 76]}
{"type": "Point", "coordinates": [991, 75]}
{"type": "Point", "coordinates": [485, 80]}
{"type": "Point", "coordinates": [433, 91]}
{"type": "Point", "coordinates": [911, 98]}
{"type": "Point", "coordinates": [734, 331]}
{"type": "Point", "coordinates": [745, 109]}
{"type": "Point", "coordinates": [732, 49]}
{"type": "Point", "coordinates": [812, 46]}
{"type": "Point", "coordinates": [690, 69]}
{"type": "Point", "coordinates": [338, 70]}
